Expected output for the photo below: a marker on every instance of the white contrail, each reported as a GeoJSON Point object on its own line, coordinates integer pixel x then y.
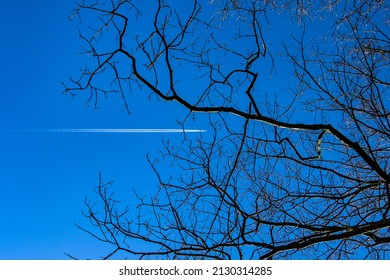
{"type": "Point", "coordinates": [119, 130]}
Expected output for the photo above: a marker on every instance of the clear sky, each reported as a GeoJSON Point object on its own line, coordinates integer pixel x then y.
{"type": "Point", "coordinates": [44, 177]}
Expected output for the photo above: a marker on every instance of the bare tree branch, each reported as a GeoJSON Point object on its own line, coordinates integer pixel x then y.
{"type": "Point", "coordinates": [301, 174]}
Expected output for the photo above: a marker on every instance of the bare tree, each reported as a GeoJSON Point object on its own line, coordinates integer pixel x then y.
{"type": "Point", "coordinates": [297, 95]}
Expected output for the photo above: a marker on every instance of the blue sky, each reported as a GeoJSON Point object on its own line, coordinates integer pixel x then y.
{"type": "Point", "coordinates": [44, 177]}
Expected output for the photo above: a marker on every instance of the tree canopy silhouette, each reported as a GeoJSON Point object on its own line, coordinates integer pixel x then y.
{"type": "Point", "coordinates": [297, 98]}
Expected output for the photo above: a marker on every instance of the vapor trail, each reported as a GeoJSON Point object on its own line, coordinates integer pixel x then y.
{"type": "Point", "coordinates": [118, 130]}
